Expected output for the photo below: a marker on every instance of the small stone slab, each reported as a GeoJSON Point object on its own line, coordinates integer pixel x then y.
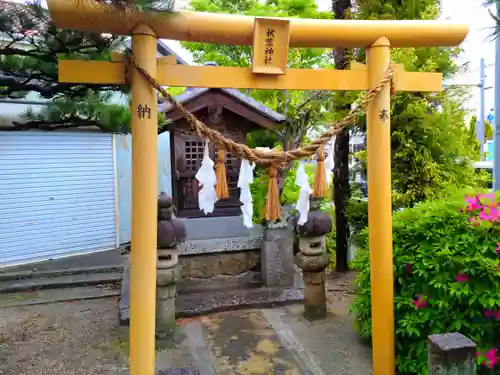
{"type": "Point", "coordinates": [450, 354]}
{"type": "Point", "coordinates": [195, 304]}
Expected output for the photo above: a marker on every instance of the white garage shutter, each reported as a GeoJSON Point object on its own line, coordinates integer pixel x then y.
{"type": "Point", "coordinates": [56, 195]}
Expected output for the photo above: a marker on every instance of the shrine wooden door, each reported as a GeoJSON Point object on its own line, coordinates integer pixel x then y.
{"type": "Point", "coordinates": [188, 155]}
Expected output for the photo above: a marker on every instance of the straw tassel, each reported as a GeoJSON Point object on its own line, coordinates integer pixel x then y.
{"type": "Point", "coordinates": [221, 188]}
{"type": "Point", "coordinates": [273, 209]}
{"type": "Point", "coordinates": [320, 187]}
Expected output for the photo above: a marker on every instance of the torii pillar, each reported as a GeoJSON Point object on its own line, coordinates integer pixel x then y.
{"type": "Point", "coordinates": [144, 204]}
{"type": "Point", "coordinates": [377, 36]}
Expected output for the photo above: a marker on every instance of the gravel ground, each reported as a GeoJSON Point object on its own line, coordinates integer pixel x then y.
{"type": "Point", "coordinates": [83, 337]}
{"type": "Point", "coordinates": [340, 293]}
{"type": "Point", "coordinates": [69, 338]}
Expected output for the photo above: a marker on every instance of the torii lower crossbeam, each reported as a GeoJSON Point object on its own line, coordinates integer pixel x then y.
{"type": "Point", "coordinates": [170, 74]}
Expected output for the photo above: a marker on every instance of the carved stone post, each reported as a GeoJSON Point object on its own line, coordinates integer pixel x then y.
{"type": "Point", "coordinates": [277, 252]}
{"type": "Point", "coordinates": [313, 260]}
{"type": "Point", "coordinates": [171, 232]}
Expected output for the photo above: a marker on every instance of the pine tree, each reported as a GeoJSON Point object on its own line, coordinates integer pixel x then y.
{"type": "Point", "coordinates": [30, 46]}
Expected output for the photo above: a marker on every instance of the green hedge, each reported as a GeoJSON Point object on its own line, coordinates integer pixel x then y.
{"type": "Point", "coordinates": [290, 192]}
{"type": "Point", "coordinates": [446, 279]}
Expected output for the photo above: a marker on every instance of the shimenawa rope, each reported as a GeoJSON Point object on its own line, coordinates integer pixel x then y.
{"type": "Point", "coordinates": [275, 157]}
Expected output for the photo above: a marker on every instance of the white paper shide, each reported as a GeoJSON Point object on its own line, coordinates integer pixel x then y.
{"type": "Point", "coordinates": [207, 196]}
{"type": "Point", "coordinates": [245, 179]}
{"type": "Point", "coordinates": [329, 161]}
{"type": "Point", "coordinates": [303, 205]}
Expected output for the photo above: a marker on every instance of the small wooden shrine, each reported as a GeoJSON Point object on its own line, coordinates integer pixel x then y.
{"type": "Point", "coordinates": [233, 114]}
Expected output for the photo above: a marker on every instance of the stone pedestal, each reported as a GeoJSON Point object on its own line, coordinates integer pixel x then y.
{"type": "Point", "coordinates": [313, 271]}
{"type": "Point", "coordinates": [313, 260]}
{"type": "Point", "coordinates": [170, 232]}
{"type": "Point", "coordinates": [277, 265]}
{"type": "Point", "coordinates": [168, 272]}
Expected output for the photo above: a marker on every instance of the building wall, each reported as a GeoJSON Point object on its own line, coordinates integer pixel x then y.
{"type": "Point", "coordinates": [489, 148]}
{"type": "Point", "coordinates": [123, 152]}
{"type": "Point", "coordinates": [57, 195]}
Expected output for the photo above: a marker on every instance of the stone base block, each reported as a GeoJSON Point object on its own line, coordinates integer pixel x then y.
{"type": "Point", "coordinates": [314, 295]}
{"type": "Point", "coordinates": [196, 303]}
{"type": "Point", "coordinates": [204, 266]}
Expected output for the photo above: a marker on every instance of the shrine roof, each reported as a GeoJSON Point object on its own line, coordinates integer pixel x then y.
{"type": "Point", "coordinates": [193, 93]}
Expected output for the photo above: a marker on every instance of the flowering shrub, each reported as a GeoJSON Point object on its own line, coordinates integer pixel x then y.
{"type": "Point", "coordinates": [446, 279]}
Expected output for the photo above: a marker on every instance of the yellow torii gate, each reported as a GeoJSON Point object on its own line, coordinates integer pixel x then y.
{"type": "Point", "coordinates": [271, 38]}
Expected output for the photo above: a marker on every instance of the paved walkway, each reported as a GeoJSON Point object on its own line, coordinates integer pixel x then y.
{"type": "Point", "coordinates": [267, 341]}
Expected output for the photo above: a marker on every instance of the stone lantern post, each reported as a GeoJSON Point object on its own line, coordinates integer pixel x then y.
{"type": "Point", "coordinates": [313, 260]}
{"type": "Point", "coordinates": [171, 232]}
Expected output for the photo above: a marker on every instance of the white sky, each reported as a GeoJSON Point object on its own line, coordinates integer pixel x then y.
{"type": "Point", "coordinates": [478, 44]}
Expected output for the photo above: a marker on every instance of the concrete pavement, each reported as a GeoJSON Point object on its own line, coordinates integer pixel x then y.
{"type": "Point", "coordinates": [276, 341]}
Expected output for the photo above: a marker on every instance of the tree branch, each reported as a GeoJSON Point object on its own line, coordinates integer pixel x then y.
{"type": "Point", "coordinates": [8, 51]}
{"type": "Point", "coordinates": [12, 85]}
{"type": "Point", "coordinates": [313, 96]}
{"type": "Point", "coordinates": [49, 90]}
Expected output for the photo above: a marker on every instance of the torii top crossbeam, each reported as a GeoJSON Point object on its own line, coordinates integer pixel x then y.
{"type": "Point", "coordinates": [87, 15]}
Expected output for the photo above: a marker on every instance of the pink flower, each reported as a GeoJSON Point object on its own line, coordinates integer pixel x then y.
{"type": "Point", "coordinates": [408, 268]}
{"type": "Point", "coordinates": [495, 314]}
{"type": "Point", "coordinates": [489, 196]}
{"type": "Point", "coordinates": [473, 203]}
{"type": "Point", "coordinates": [483, 207]}
{"type": "Point", "coordinates": [483, 215]}
{"type": "Point", "coordinates": [471, 200]}
{"type": "Point", "coordinates": [462, 277]}
{"type": "Point", "coordinates": [491, 358]}
{"type": "Point", "coordinates": [420, 302]}
{"type": "Point", "coordinates": [473, 207]}
{"type": "Point", "coordinates": [498, 248]}
{"type": "Point", "coordinates": [490, 214]}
